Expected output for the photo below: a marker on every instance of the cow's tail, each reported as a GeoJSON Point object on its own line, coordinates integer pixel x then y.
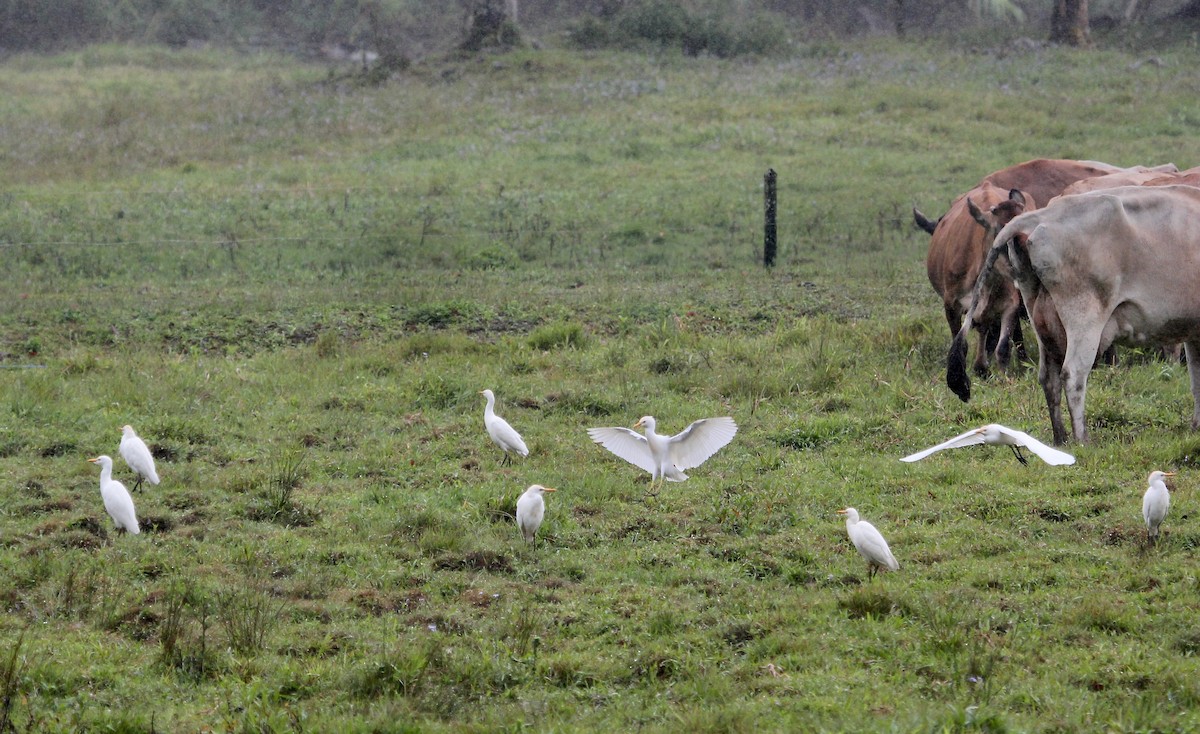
{"type": "Point", "coordinates": [956, 366]}
{"type": "Point", "coordinates": [924, 222]}
{"type": "Point", "coordinates": [956, 361]}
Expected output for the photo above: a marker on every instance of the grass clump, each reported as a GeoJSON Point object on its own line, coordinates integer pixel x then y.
{"type": "Point", "coordinates": [566, 335]}
{"type": "Point", "coordinates": [247, 615]}
{"type": "Point", "coordinates": [401, 672]}
{"type": "Point", "coordinates": [874, 603]}
{"type": "Point", "coordinates": [276, 495]}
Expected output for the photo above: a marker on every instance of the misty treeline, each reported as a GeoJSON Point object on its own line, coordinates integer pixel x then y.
{"type": "Point", "coordinates": [412, 29]}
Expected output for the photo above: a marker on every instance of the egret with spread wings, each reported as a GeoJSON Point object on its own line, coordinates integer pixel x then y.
{"type": "Point", "coordinates": [995, 434]}
{"type": "Point", "coordinates": [666, 457]}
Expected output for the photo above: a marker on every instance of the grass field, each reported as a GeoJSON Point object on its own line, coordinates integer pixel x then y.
{"type": "Point", "coordinates": [294, 284]}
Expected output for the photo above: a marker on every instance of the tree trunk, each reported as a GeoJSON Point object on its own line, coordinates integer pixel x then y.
{"type": "Point", "coordinates": [490, 23]}
{"type": "Point", "coordinates": [1069, 24]}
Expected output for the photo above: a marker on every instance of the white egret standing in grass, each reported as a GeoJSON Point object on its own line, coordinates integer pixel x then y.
{"type": "Point", "coordinates": [116, 498]}
{"type": "Point", "coordinates": [994, 434]}
{"type": "Point", "coordinates": [137, 455]}
{"type": "Point", "coordinates": [869, 542]}
{"type": "Point", "coordinates": [501, 432]}
{"type": "Point", "coordinates": [1155, 503]}
{"type": "Point", "coordinates": [531, 508]}
{"type": "Point", "coordinates": [665, 457]}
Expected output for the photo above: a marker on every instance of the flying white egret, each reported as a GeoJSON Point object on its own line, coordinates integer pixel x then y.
{"type": "Point", "coordinates": [501, 432]}
{"type": "Point", "coordinates": [665, 457]}
{"type": "Point", "coordinates": [137, 455]}
{"type": "Point", "coordinates": [531, 508]}
{"type": "Point", "coordinates": [869, 542]}
{"type": "Point", "coordinates": [116, 498]}
{"type": "Point", "coordinates": [994, 434]}
{"type": "Point", "coordinates": [1155, 503]}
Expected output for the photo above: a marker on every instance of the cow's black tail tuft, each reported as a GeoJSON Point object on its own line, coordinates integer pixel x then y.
{"type": "Point", "coordinates": [956, 367]}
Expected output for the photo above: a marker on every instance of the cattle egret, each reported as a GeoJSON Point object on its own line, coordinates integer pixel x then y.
{"type": "Point", "coordinates": [665, 457]}
{"type": "Point", "coordinates": [137, 455]}
{"type": "Point", "coordinates": [116, 498]}
{"type": "Point", "coordinates": [503, 434]}
{"type": "Point", "coordinates": [1155, 503]}
{"type": "Point", "coordinates": [869, 542]}
{"type": "Point", "coordinates": [995, 434]}
{"type": "Point", "coordinates": [531, 509]}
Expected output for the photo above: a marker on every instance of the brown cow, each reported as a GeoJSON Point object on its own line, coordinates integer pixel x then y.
{"type": "Point", "coordinates": [1120, 178]}
{"type": "Point", "coordinates": [958, 246]}
{"type": "Point", "coordinates": [1188, 177]}
{"type": "Point", "coordinates": [1115, 265]}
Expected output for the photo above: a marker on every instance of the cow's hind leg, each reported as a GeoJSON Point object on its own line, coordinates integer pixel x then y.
{"type": "Point", "coordinates": [1082, 348]}
{"type": "Point", "coordinates": [1050, 378]}
{"type": "Point", "coordinates": [1010, 331]}
{"type": "Point", "coordinates": [1052, 342]}
{"type": "Point", "coordinates": [1192, 351]}
{"type": "Point", "coordinates": [1018, 338]}
{"type": "Point", "coordinates": [981, 353]}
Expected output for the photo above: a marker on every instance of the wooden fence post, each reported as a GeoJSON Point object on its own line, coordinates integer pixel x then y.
{"type": "Point", "coordinates": [769, 218]}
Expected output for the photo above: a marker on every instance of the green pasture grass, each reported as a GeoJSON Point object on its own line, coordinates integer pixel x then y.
{"type": "Point", "coordinates": [294, 284]}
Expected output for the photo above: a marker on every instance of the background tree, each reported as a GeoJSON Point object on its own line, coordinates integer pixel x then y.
{"type": "Point", "coordinates": [1069, 23]}
{"type": "Point", "coordinates": [490, 23]}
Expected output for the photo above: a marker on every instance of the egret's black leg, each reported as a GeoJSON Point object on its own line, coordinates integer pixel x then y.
{"type": "Point", "coordinates": [1017, 453]}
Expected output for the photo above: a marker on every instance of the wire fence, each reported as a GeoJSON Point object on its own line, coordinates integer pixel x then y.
{"type": "Point", "coordinates": [83, 246]}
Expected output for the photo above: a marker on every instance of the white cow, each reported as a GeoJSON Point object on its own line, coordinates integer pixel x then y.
{"type": "Point", "coordinates": [1112, 266]}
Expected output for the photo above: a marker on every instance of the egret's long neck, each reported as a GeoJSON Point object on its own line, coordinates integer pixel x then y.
{"type": "Point", "coordinates": [491, 405]}
{"type": "Point", "coordinates": [105, 473]}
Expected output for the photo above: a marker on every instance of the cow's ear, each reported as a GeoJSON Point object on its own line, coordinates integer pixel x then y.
{"type": "Point", "coordinates": [977, 215]}
{"type": "Point", "coordinates": [1015, 196]}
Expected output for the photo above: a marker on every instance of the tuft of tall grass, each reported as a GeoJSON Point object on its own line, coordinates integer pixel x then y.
{"type": "Point", "coordinates": [248, 616]}
{"type": "Point", "coordinates": [565, 335]}
{"type": "Point", "coordinates": [183, 633]}
{"type": "Point", "coordinates": [10, 682]}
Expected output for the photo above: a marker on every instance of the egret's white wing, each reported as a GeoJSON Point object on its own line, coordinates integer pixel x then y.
{"type": "Point", "coordinates": [1154, 508]}
{"type": "Point", "coordinates": [505, 435]}
{"type": "Point", "coordinates": [137, 455]}
{"type": "Point", "coordinates": [1048, 454]}
{"type": "Point", "coordinates": [120, 507]}
{"type": "Point", "coordinates": [530, 511]}
{"type": "Point", "coordinates": [872, 546]}
{"type": "Point", "coordinates": [627, 444]}
{"type": "Point", "coordinates": [692, 446]}
{"type": "Point", "coordinates": [969, 438]}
